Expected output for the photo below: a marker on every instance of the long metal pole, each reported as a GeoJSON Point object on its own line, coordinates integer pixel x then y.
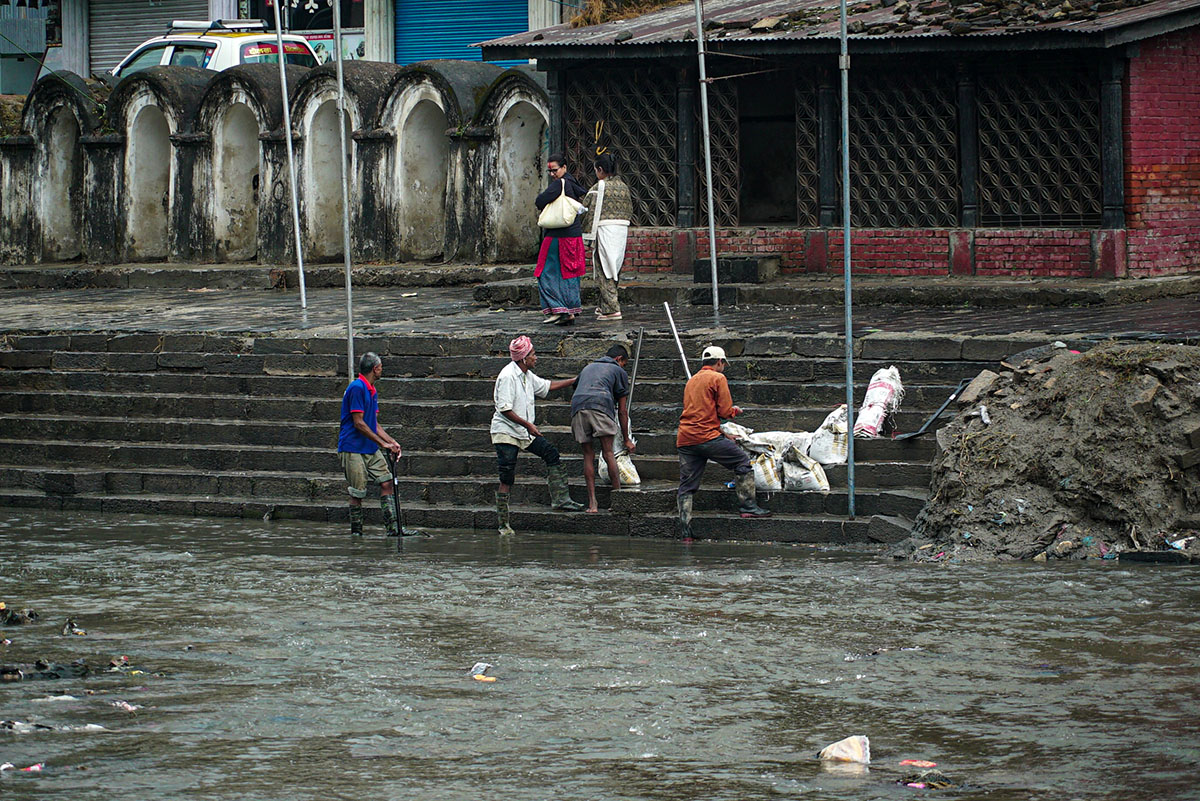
{"type": "Point", "coordinates": [678, 344]}
{"type": "Point", "coordinates": [341, 106]}
{"type": "Point", "coordinates": [712, 224]}
{"type": "Point", "coordinates": [291, 156]}
{"type": "Point", "coordinates": [844, 66]}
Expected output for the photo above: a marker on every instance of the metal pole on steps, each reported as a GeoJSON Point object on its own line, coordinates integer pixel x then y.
{"type": "Point", "coordinates": [712, 223]}
{"type": "Point", "coordinates": [844, 67]}
{"type": "Point", "coordinates": [341, 107]}
{"type": "Point", "coordinates": [291, 156]}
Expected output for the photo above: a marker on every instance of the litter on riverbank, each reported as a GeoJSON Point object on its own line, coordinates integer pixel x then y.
{"type": "Point", "coordinates": [1068, 456]}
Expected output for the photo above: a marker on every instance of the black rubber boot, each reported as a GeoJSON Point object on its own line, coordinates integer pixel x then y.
{"type": "Point", "coordinates": [683, 526]}
{"type": "Point", "coordinates": [747, 503]}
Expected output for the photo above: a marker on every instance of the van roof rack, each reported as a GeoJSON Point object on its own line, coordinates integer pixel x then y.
{"type": "Point", "coordinates": [208, 26]}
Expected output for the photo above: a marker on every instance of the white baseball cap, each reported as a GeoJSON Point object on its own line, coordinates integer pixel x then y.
{"type": "Point", "coordinates": [713, 352]}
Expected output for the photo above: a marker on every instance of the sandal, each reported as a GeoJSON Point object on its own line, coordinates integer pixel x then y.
{"type": "Point", "coordinates": [551, 318]}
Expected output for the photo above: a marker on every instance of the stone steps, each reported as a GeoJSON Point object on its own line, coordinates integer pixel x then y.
{"type": "Point", "coordinates": [246, 426]}
{"type": "Point", "coordinates": [472, 465]}
{"type": "Point", "coordinates": [323, 394]}
{"type": "Point", "coordinates": [792, 528]}
{"type": "Point", "coordinates": [650, 496]}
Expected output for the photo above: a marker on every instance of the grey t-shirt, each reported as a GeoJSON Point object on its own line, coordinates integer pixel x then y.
{"type": "Point", "coordinates": [599, 386]}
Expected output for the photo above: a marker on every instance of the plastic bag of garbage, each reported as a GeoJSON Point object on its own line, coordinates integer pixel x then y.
{"type": "Point", "coordinates": [802, 473]}
{"type": "Point", "coordinates": [829, 443]}
{"type": "Point", "coordinates": [625, 470]}
{"type": "Point", "coordinates": [851, 749]}
{"type": "Point", "coordinates": [884, 394]}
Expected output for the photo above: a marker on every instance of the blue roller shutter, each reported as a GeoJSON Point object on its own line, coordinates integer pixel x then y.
{"type": "Point", "coordinates": [428, 29]}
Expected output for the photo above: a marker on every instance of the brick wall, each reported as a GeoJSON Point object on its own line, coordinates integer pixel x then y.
{"type": "Point", "coordinates": [1162, 155]}
{"type": "Point", "coordinates": [1058, 253]}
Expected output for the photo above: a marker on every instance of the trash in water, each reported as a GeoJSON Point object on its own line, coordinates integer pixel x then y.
{"type": "Point", "coordinates": [481, 677]}
{"type": "Point", "coordinates": [55, 698]}
{"type": "Point", "coordinates": [408, 294]}
{"type": "Point", "coordinates": [31, 769]}
{"type": "Point", "coordinates": [15, 617]}
{"type": "Point", "coordinates": [128, 707]}
{"type": "Point", "coordinates": [927, 780]}
{"type": "Point", "coordinates": [856, 748]}
{"type": "Point", "coordinates": [70, 628]}
{"type": "Point", "coordinates": [479, 668]}
{"type": "Point", "coordinates": [918, 763]}
{"type": "Point", "coordinates": [1182, 544]}
{"type": "Point", "coordinates": [5, 641]}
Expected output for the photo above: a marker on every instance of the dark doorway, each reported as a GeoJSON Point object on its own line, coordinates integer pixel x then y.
{"type": "Point", "coordinates": [767, 150]}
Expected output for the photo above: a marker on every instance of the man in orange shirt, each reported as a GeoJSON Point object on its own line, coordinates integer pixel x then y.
{"type": "Point", "coordinates": [706, 401]}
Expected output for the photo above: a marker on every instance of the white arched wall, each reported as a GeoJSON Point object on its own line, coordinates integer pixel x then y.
{"type": "Point", "coordinates": [322, 179]}
{"type": "Point", "coordinates": [59, 201]}
{"type": "Point", "coordinates": [521, 159]}
{"type": "Point", "coordinates": [235, 182]}
{"type": "Point", "coordinates": [422, 164]}
{"type": "Point", "coordinates": [148, 167]}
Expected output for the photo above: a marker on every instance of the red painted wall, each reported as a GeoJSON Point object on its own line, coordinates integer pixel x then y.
{"type": "Point", "coordinates": [1162, 155]}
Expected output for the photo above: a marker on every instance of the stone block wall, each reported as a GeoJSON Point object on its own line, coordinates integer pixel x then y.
{"type": "Point", "coordinates": [1162, 155]}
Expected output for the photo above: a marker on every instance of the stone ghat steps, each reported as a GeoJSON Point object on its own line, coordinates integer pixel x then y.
{"type": "Point", "coordinates": [255, 431]}
{"type": "Point", "coordinates": [652, 496]}
{"type": "Point", "coordinates": [300, 397]}
{"type": "Point", "coordinates": [797, 528]}
{"type": "Point", "coordinates": [818, 369]}
{"type": "Point", "coordinates": [657, 344]}
{"type": "Point", "coordinates": [476, 465]}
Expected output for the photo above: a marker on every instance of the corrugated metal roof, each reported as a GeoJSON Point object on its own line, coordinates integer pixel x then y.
{"type": "Point", "coordinates": [730, 21]}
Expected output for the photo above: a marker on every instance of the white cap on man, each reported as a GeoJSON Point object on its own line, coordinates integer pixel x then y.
{"type": "Point", "coordinates": [713, 352]}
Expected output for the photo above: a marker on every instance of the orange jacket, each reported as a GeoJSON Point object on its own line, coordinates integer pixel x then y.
{"type": "Point", "coordinates": [706, 400]}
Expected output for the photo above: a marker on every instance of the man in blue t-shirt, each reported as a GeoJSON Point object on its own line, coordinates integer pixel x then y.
{"type": "Point", "coordinates": [599, 412]}
{"type": "Point", "coordinates": [359, 444]}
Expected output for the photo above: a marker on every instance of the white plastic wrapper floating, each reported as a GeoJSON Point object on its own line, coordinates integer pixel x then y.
{"type": "Point", "coordinates": [829, 442]}
{"type": "Point", "coordinates": [884, 394]}
{"type": "Point", "coordinates": [851, 749]}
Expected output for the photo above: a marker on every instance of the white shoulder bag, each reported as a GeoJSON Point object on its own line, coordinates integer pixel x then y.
{"type": "Point", "coordinates": [560, 212]}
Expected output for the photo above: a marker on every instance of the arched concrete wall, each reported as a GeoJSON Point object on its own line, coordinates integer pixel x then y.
{"type": "Point", "coordinates": [60, 188]}
{"type": "Point", "coordinates": [148, 172]}
{"type": "Point", "coordinates": [521, 159]}
{"type": "Point", "coordinates": [235, 172]}
{"type": "Point", "coordinates": [421, 164]}
{"type": "Point", "coordinates": [321, 181]}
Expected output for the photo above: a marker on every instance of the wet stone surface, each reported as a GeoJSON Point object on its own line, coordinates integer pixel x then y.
{"type": "Point", "coordinates": [451, 310]}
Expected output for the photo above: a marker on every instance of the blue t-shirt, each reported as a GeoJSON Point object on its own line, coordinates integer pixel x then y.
{"type": "Point", "coordinates": [360, 397]}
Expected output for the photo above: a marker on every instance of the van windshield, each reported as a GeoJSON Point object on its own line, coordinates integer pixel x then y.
{"type": "Point", "coordinates": [268, 53]}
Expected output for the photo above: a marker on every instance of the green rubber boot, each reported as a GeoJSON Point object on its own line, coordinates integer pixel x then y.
{"type": "Point", "coordinates": [502, 515]}
{"type": "Point", "coordinates": [356, 520]}
{"type": "Point", "coordinates": [560, 493]}
{"type": "Point", "coordinates": [747, 498]}
{"type": "Point", "coordinates": [683, 526]}
{"type": "Point", "coordinates": [388, 506]}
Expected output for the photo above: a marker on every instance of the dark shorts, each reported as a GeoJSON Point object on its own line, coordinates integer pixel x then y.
{"type": "Point", "coordinates": [694, 458]}
{"type": "Point", "coordinates": [506, 457]}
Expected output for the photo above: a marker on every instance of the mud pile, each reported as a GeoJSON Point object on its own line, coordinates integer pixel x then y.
{"type": "Point", "coordinates": [1069, 456]}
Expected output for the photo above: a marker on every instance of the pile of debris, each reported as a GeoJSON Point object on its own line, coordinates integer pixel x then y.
{"type": "Point", "coordinates": [1070, 455]}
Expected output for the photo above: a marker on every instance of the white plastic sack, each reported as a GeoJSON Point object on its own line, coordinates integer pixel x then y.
{"type": "Point", "coordinates": [884, 394]}
{"type": "Point", "coordinates": [762, 441]}
{"type": "Point", "coordinates": [625, 470]}
{"type": "Point", "coordinates": [851, 749]}
{"type": "Point", "coordinates": [829, 443]}
{"type": "Point", "coordinates": [802, 473]}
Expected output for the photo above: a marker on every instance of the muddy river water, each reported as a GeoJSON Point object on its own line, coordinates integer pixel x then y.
{"type": "Point", "coordinates": [286, 661]}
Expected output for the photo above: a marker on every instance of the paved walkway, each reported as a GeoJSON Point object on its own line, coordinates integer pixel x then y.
{"type": "Point", "coordinates": [440, 310]}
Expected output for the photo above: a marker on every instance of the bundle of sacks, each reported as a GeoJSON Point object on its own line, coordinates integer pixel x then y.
{"type": "Point", "coordinates": [787, 460]}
